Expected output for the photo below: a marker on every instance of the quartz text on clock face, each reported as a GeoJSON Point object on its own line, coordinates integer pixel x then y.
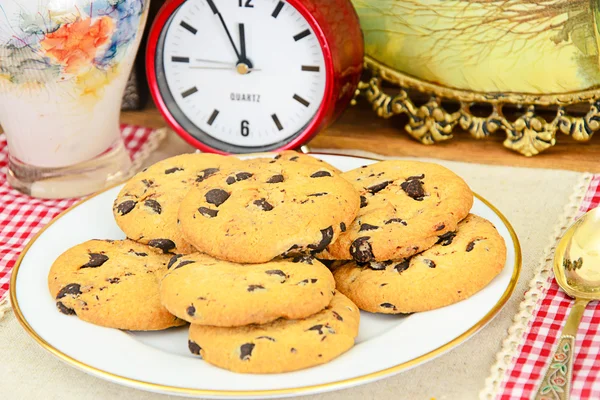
{"type": "Point", "coordinates": [245, 72]}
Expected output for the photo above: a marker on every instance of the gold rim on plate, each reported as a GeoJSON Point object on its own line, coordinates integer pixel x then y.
{"type": "Point", "coordinates": [272, 392]}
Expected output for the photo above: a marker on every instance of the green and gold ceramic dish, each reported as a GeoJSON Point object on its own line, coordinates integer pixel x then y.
{"type": "Point", "coordinates": [526, 52]}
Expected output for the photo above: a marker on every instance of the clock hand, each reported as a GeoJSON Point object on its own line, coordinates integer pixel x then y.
{"type": "Point", "coordinates": [242, 43]}
{"type": "Point", "coordinates": [216, 11]}
{"type": "Point", "coordinates": [233, 67]}
{"type": "Point", "coordinates": [214, 61]}
{"type": "Point", "coordinates": [244, 65]}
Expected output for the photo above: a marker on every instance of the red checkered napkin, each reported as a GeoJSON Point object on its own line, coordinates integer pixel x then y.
{"type": "Point", "coordinates": [527, 368]}
{"type": "Point", "coordinates": [21, 216]}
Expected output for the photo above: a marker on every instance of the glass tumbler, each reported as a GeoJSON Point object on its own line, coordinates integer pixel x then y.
{"type": "Point", "coordinates": [64, 65]}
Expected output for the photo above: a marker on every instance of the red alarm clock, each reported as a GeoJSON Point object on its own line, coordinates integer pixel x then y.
{"type": "Point", "coordinates": [242, 76]}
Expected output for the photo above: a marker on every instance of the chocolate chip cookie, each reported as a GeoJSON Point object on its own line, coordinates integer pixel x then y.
{"type": "Point", "coordinates": [258, 210]}
{"type": "Point", "coordinates": [282, 345]}
{"type": "Point", "coordinates": [203, 290]}
{"type": "Point", "coordinates": [301, 158]}
{"type": "Point", "coordinates": [146, 208]}
{"type": "Point", "coordinates": [404, 207]}
{"type": "Point", "coordinates": [458, 266]}
{"type": "Point", "coordinates": [113, 284]}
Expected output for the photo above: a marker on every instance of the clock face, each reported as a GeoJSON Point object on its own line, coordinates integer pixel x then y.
{"type": "Point", "coordinates": [248, 73]}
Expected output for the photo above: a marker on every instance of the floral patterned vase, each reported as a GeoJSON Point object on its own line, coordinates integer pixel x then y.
{"type": "Point", "coordinates": [64, 65]}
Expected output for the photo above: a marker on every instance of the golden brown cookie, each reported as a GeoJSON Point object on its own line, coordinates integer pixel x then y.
{"type": "Point", "coordinates": [146, 208]}
{"type": "Point", "coordinates": [461, 264]}
{"type": "Point", "coordinates": [259, 210]}
{"type": "Point", "coordinates": [405, 207]}
{"type": "Point", "coordinates": [203, 290]}
{"type": "Point", "coordinates": [301, 158]}
{"type": "Point", "coordinates": [113, 284]}
{"type": "Point", "coordinates": [282, 345]}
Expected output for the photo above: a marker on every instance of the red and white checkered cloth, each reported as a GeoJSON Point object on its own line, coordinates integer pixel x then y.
{"type": "Point", "coordinates": [21, 216]}
{"type": "Point", "coordinates": [528, 367]}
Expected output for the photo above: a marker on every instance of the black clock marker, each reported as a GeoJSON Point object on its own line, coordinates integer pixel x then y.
{"type": "Point", "coordinates": [189, 92]}
{"type": "Point", "coordinates": [311, 68]}
{"type": "Point", "coordinates": [180, 59]}
{"type": "Point", "coordinates": [187, 26]}
{"type": "Point", "coordinates": [276, 120]}
{"type": "Point", "coordinates": [301, 100]}
{"type": "Point", "coordinates": [213, 116]}
{"type": "Point", "coordinates": [302, 35]}
{"type": "Point", "coordinates": [277, 9]}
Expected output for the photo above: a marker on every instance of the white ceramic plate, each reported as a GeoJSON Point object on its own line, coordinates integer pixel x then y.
{"type": "Point", "coordinates": [161, 362]}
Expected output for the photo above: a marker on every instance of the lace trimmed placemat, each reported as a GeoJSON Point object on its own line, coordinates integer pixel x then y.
{"type": "Point", "coordinates": [527, 350]}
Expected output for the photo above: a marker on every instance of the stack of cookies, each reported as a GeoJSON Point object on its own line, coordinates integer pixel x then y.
{"type": "Point", "coordinates": [229, 246]}
{"type": "Point", "coordinates": [256, 298]}
{"type": "Point", "coordinates": [234, 247]}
